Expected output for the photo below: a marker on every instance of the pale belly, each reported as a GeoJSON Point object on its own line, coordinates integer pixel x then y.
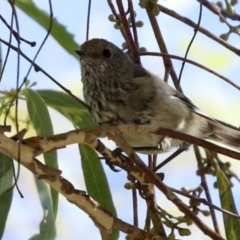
{"type": "Point", "coordinates": [150, 143]}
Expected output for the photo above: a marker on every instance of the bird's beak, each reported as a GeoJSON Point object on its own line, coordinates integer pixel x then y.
{"type": "Point", "coordinates": [81, 53]}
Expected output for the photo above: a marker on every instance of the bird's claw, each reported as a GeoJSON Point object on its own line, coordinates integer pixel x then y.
{"type": "Point", "coordinates": [184, 146]}
{"type": "Point", "coordinates": [165, 144]}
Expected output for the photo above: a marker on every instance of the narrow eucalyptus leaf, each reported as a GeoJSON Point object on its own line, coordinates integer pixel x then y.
{"type": "Point", "coordinates": [6, 192]}
{"type": "Point", "coordinates": [232, 225]}
{"type": "Point", "coordinates": [40, 118]}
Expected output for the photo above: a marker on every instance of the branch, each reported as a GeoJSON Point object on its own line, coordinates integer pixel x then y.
{"type": "Point", "coordinates": [214, 8]}
{"type": "Point", "coordinates": [38, 68]}
{"type": "Point", "coordinates": [96, 212]}
{"type": "Point", "coordinates": [158, 35]}
{"type": "Point", "coordinates": [131, 44]}
{"type": "Point", "coordinates": [205, 187]}
{"type": "Point", "coordinates": [200, 29]}
{"type": "Point", "coordinates": [32, 147]}
{"type": "Point", "coordinates": [120, 141]}
{"type": "Point", "coordinates": [191, 62]}
{"type": "Point", "coordinates": [88, 136]}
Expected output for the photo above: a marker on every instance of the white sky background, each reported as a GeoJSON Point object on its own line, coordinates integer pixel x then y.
{"type": "Point", "coordinates": [212, 95]}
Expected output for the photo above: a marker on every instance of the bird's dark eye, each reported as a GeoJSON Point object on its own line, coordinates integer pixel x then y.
{"type": "Point", "coordinates": [107, 53]}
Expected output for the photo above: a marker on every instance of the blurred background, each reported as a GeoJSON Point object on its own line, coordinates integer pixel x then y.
{"type": "Point", "coordinates": [212, 95]}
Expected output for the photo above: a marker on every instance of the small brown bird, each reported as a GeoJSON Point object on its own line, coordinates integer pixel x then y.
{"type": "Point", "coordinates": [121, 92]}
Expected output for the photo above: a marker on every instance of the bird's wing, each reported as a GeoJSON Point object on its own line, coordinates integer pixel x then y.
{"type": "Point", "coordinates": [187, 102]}
{"type": "Point", "coordinates": [139, 73]}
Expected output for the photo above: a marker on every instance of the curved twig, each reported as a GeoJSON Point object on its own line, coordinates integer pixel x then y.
{"type": "Point", "coordinates": [193, 63]}
{"type": "Point", "coordinates": [38, 68]}
{"type": "Point", "coordinates": [190, 44]}
{"type": "Point", "coordinates": [200, 29]}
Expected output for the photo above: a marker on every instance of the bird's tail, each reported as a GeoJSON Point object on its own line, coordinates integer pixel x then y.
{"type": "Point", "coordinates": [223, 134]}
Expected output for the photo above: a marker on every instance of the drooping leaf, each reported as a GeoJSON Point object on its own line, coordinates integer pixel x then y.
{"type": "Point", "coordinates": [1, 60]}
{"type": "Point", "coordinates": [69, 107]}
{"type": "Point", "coordinates": [58, 32]}
{"type": "Point", "coordinates": [47, 226]}
{"type": "Point", "coordinates": [232, 225]}
{"type": "Point", "coordinates": [6, 192]}
{"type": "Point", "coordinates": [41, 121]}
{"type": "Point", "coordinates": [94, 175]}
{"type": "Point", "coordinates": [96, 181]}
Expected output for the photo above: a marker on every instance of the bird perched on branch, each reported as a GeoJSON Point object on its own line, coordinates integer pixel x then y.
{"type": "Point", "coordinates": [121, 92]}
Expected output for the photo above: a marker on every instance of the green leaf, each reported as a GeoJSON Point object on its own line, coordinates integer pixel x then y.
{"type": "Point", "coordinates": [69, 107]}
{"type": "Point", "coordinates": [6, 192]}
{"type": "Point", "coordinates": [94, 175]}
{"type": "Point", "coordinates": [232, 225]}
{"type": "Point", "coordinates": [96, 181]}
{"type": "Point", "coordinates": [41, 120]}
{"type": "Point", "coordinates": [47, 226]}
{"type": "Point", "coordinates": [58, 32]}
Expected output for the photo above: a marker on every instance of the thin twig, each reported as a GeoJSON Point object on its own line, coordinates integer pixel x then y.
{"type": "Point", "coordinates": [180, 136]}
{"type": "Point", "coordinates": [114, 12]}
{"type": "Point", "coordinates": [88, 19]}
{"type": "Point", "coordinates": [16, 177]}
{"type": "Point", "coordinates": [44, 40]}
{"type": "Point", "coordinates": [205, 187]}
{"type": "Point", "coordinates": [222, 13]}
{"type": "Point", "coordinates": [8, 48]}
{"type": "Point", "coordinates": [18, 38]}
{"type": "Point", "coordinates": [131, 44]}
{"type": "Point", "coordinates": [170, 158]}
{"type": "Point", "coordinates": [190, 44]}
{"type": "Point", "coordinates": [200, 29]}
{"type": "Point", "coordinates": [229, 171]}
{"type": "Point", "coordinates": [162, 46]}
{"type": "Point", "coordinates": [38, 68]}
{"type": "Point", "coordinates": [193, 63]}
{"type": "Point", "coordinates": [197, 141]}
{"type": "Point", "coordinates": [35, 57]}
{"type": "Point", "coordinates": [121, 142]}
{"type": "Point", "coordinates": [134, 28]}
{"type": "Point", "coordinates": [205, 202]}
{"type": "Point", "coordinates": [135, 202]}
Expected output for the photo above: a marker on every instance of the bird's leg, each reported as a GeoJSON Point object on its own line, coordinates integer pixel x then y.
{"type": "Point", "coordinates": [183, 147]}
{"type": "Point", "coordinates": [165, 144]}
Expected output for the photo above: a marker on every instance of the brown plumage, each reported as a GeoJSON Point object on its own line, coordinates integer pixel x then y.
{"type": "Point", "coordinates": [121, 92]}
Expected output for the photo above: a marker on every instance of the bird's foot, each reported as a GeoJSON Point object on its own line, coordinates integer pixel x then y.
{"type": "Point", "coordinates": [165, 144]}
{"type": "Point", "coordinates": [184, 146]}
